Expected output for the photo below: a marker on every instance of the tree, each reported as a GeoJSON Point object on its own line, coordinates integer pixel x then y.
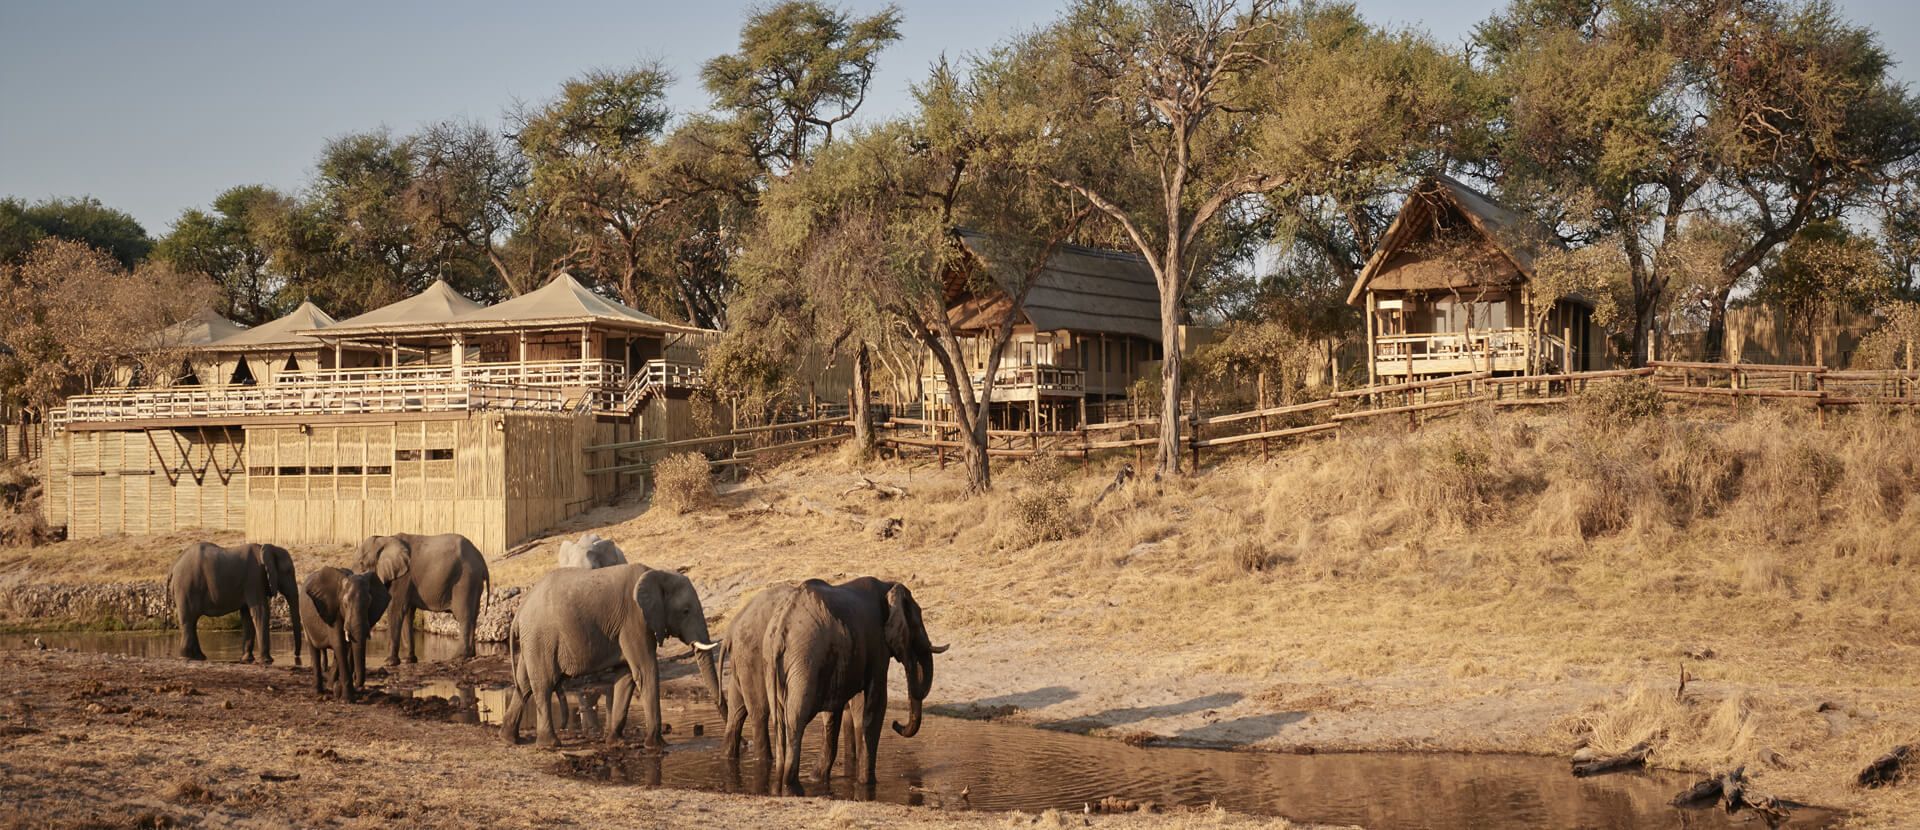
{"type": "Point", "coordinates": [1621, 120]}
{"type": "Point", "coordinates": [1146, 109]}
{"type": "Point", "coordinates": [73, 314]}
{"type": "Point", "coordinates": [803, 68]}
{"type": "Point", "coordinates": [869, 230]}
{"type": "Point", "coordinates": [228, 244]}
{"type": "Point", "coordinates": [82, 219]}
{"type": "Point", "coordinates": [466, 190]}
{"type": "Point", "coordinates": [1824, 269]}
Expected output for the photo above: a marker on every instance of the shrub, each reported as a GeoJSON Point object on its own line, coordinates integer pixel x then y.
{"type": "Point", "coordinates": [681, 483]}
{"type": "Point", "coordinates": [1042, 507]}
{"type": "Point", "coordinates": [1620, 403]}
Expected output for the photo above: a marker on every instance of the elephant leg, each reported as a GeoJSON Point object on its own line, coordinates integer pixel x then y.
{"type": "Point", "coordinates": [793, 728]}
{"type": "Point", "coordinates": [340, 662]}
{"type": "Point", "coordinates": [761, 720]}
{"type": "Point", "coordinates": [645, 674]}
{"type": "Point", "coordinates": [830, 747]}
{"type": "Point", "coordinates": [466, 611]}
{"type": "Point", "coordinates": [873, 718]}
{"type": "Point", "coordinates": [565, 712]}
{"type": "Point", "coordinates": [617, 710]}
{"type": "Point", "coordinates": [190, 633]}
{"type": "Point", "coordinates": [319, 686]}
{"type": "Point", "coordinates": [246, 634]}
{"type": "Point", "coordinates": [736, 721]}
{"type": "Point", "coordinates": [408, 618]}
{"type": "Point", "coordinates": [542, 695]}
{"type": "Point", "coordinates": [396, 621]}
{"type": "Point", "coordinates": [510, 720]}
{"type": "Point", "coordinates": [263, 618]}
{"type": "Point", "coordinates": [852, 735]}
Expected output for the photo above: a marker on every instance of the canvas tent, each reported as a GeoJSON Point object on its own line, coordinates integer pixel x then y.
{"type": "Point", "coordinates": [269, 348]}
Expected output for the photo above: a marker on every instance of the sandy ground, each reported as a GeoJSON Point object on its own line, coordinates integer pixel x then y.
{"type": "Point", "coordinates": [102, 741]}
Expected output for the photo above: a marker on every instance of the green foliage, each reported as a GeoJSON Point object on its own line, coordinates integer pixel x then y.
{"type": "Point", "coordinates": [803, 68]}
{"type": "Point", "coordinates": [1825, 268]}
{"type": "Point", "coordinates": [84, 220]}
{"type": "Point", "coordinates": [230, 244]}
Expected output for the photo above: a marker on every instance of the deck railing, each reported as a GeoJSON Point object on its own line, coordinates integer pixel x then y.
{"type": "Point", "coordinates": [532, 373]}
{"type": "Point", "coordinates": [1438, 353]}
{"type": "Point", "coordinates": [371, 397]}
{"type": "Point", "coordinates": [1015, 382]}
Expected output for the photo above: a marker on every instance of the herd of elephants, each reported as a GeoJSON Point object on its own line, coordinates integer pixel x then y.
{"type": "Point", "coordinates": [795, 650]}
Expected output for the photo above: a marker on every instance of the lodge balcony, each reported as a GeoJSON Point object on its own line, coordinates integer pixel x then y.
{"type": "Point", "coordinates": [1501, 351]}
{"type": "Point", "coordinates": [1014, 383]}
{"type": "Point", "coordinates": [564, 387]}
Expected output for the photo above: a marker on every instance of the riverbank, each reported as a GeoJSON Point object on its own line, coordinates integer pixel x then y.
{"type": "Point", "coordinates": [101, 741]}
{"type": "Point", "coordinates": [1485, 584]}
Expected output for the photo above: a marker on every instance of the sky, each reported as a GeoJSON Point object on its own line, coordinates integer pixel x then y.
{"type": "Point", "coordinates": [154, 107]}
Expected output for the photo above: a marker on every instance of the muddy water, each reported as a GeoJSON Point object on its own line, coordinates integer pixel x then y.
{"type": "Point", "coordinates": [971, 765]}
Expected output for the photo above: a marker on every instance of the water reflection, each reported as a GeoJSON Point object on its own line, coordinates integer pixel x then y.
{"type": "Point", "coordinates": [223, 645]}
{"type": "Point", "coordinates": [957, 764]}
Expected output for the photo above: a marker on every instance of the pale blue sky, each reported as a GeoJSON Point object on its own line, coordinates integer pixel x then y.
{"type": "Point", "coordinates": [156, 106]}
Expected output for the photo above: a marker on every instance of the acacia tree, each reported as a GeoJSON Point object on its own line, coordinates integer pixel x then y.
{"type": "Point", "coordinates": [1620, 120]}
{"type": "Point", "coordinates": [870, 230]}
{"type": "Point", "coordinates": [1147, 110]}
{"type": "Point", "coordinates": [227, 243]}
{"type": "Point", "coordinates": [1824, 269]}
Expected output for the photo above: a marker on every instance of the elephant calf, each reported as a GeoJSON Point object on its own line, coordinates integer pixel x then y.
{"type": "Point", "coordinates": [578, 621]}
{"type": "Point", "coordinates": [802, 650]}
{"type": "Point", "coordinates": [590, 551]}
{"type": "Point", "coordinates": [340, 610]}
{"type": "Point", "coordinates": [210, 581]}
{"type": "Point", "coordinates": [434, 573]}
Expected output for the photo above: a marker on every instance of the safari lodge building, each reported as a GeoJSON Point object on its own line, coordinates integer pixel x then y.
{"type": "Point", "coordinates": [433, 414]}
{"type": "Point", "coordinates": [1448, 291]}
{"type": "Point", "coordinates": [1088, 327]}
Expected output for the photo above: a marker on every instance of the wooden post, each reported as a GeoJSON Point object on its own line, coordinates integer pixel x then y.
{"type": "Point", "coordinates": [459, 355]}
{"type": "Point", "coordinates": [1085, 451]}
{"type": "Point", "coordinates": [1372, 358]}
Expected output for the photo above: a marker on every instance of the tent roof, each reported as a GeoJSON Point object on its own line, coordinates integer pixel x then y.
{"type": "Point", "coordinates": [563, 301]}
{"type": "Point", "coordinates": [199, 330]}
{"type": "Point", "coordinates": [1508, 235]}
{"type": "Point", "coordinates": [438, 304]}
{"type": "Point", "coordinates": [1079, 289]}
{"type": "Point", "coordinates": [283, 332]}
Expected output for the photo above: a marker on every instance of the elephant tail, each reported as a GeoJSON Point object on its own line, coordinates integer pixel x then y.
{"type": "Point", "coordinates": [774, 648]}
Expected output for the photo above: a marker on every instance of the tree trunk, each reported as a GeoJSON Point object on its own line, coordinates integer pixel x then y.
{"type": "Point", "coordinates": [973, 454]}
{"type": "Point", "coordinates": [862, 399]}
{"type": "Point", "coordinates": [1168, 462]}
{"type": "Point", "coordinates": [1715, 346]}
{"type": "Point", "coordinates": [1643, 308]}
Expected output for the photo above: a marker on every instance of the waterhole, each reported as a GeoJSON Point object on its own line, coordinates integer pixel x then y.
{"type": "Point", "coordinates": [974, 765]}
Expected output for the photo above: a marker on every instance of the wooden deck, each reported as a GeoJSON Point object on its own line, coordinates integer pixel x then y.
{"type": "Point", "coordinates": [565, 387]}
{"type": "Point", "coordinates": [1015, 383]}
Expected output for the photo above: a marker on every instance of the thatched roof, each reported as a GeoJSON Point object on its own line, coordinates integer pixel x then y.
{"type": "Point", "coordinates": [196, 331]}
{"type": "Point", "coordinates": [1080, 289]}
{"type": "Point", "coordinates": [1503, 254]}
{"type": "Point", "coordinates": [436, 305]}
{"type": "Point", "coordinates": [563, 301]}
{"type": "Point", "coordinates": [285, 332]}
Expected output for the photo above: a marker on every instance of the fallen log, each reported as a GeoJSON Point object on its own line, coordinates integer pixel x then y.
{"type": "Point", "coordinates": [1888, 769]}
{"type": "Point", "coordinates": [1635, 757]}
{"type": "Point", "coordinates": [1120, 479]}
{"type": "Point", "coordinates": [1732, 792]}
{"type": "Point", "coordinates": [886, 491]}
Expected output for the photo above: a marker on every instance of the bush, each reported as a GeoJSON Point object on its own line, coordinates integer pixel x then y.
{"type": "Point", "coordinates": [1042, 507]}
{"type": "Point", "coordinates": [1620, 403]}
{"type": "Point", "coordinates": [681, 483]}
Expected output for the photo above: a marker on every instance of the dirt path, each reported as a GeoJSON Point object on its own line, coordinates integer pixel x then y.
{"type": "Point", "coordinates": [102, 741]}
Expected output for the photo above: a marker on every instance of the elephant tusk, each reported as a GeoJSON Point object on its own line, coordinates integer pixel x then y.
{"type": "Point", "coordinates": [940, 649]}
{"type": "Point", "coordinates": [706, 646]}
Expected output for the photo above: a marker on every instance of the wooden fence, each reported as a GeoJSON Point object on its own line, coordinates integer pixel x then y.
{"type": "Point", "coordinates": [743, 445]}
{"type": "Point", "coordinates": [1415, 401]}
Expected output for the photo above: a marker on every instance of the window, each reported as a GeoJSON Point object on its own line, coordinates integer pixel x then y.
{"type": "Point", "coordinates": [260, 471]}
{"type": "Point", "coordinates": [440, 455]}
{"type": "Point", "coordinates": [293, 471]}
{"type": "Point", "coordinates": [352, 471]}
{"type": "Point", "coordinates": [319, 471]}
{"type": "Point", "coordinates": [379, 471]}
{"type": "Point", "coordinates": [406, 455]}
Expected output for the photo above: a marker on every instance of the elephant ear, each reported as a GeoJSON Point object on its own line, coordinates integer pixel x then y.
{"type": "Point", "coordinates": [280, 568]}
{"type": "Point", "coordinates": [260, 555]}
{"type": "Point", "coordinates": [396, 559]}
{"type": "Point", "coordinates": [899, 626]}
{"type": "Point", "coordinates": [650, 593]}
{"type": "Point", "coordinates": [324, 594]}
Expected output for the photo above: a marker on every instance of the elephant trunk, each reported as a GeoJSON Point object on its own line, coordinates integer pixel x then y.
{"type": "Point", "coordinates": [919, 678]}
{"type": "Point", "coordinates": [704, 653]}
{"type": "Point", "coordinates": [292, 596]}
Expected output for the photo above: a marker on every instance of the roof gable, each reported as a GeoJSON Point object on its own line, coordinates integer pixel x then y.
{"type": "Point", "coordinates": [284, 331]}
{"type": "Point", "coordinates": [438, 304]}
{"type": "Point", "coordinates": [565, 300]}
{"type": "Point", "coordinates": [1508, 235]}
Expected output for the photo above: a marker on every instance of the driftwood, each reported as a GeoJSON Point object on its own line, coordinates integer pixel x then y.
{"type": "Point", "coordinates": [1890, 768]}
{"type": "Point", "coordinates": [1734, 793]}
{"type": "Point", "coordinates": [524, 547]}
{"type": "Point", "coordinates": [760, 509]}
{"type": "Point", "coordinates": [1120, 480]}
{"type": "Point", "coordinates": [886, 491]}
{"type": "Point", "coordinates": [1635, 757]}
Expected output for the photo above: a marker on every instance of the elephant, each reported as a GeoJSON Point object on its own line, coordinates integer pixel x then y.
{"type": "Point", "coordinates": [435, 573]}
{"type": "Point", "coordinates": [340, 610]}
{"type": "Point", "coordinates": [802, 650]}
{"type": "Point", "coordinates": [209, 581]}
{"type": "Point", "coordinates": [590, 551]}
{"type": "Point", "coordinates": [575, 622]}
